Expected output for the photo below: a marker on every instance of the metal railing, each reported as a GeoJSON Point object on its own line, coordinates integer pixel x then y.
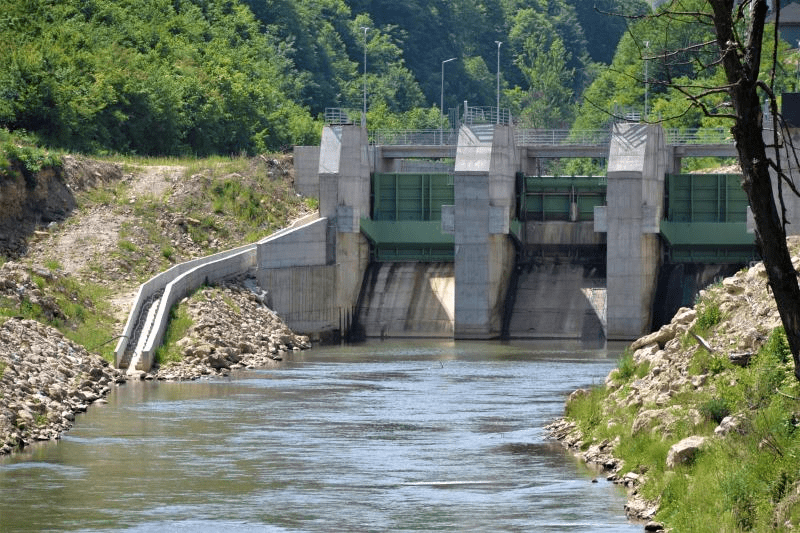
{"type": "Point", "coordinates": [414, 137]}
{"type": "Point", "coordinates": [336, 115]}
{"type": "Point", "coordinates": [486, 115]}
{"type": "Point", "coordinates": [559, 137]}
{"type": "Point", "coordinates": [449, 137]}
{"type": "Point", "coordinates": [675, 136]}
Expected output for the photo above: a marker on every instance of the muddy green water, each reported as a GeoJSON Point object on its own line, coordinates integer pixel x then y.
{"type": "Point", "coordinates": [381, 436]}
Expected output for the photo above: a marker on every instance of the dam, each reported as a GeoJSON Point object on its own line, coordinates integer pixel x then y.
{"type": "Point", "coordinates": [422, 234]}
{"type": "Point", "coordinates": [531, 256]}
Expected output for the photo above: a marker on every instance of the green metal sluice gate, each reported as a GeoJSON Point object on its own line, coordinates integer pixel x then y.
{"type": "Point", "coordinates": [704, 214]}
{"type": "Point", "coordinates": [549, 198]}
{"type": "Point", "coordinates": [705, 219]}
{"type": "Point", "coordinates": [406, 217]}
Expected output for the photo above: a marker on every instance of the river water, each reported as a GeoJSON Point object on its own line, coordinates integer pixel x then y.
{"type": "Point", "coordinates": [381, 436]}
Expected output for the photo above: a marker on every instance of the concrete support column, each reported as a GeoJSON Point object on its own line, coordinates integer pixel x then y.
{"type": "Point", "coordinates": [335, 254]}
{"type": "Point", "coordinates": [486, 162]}
{"type": "Point", "coordinates": [635, 196]}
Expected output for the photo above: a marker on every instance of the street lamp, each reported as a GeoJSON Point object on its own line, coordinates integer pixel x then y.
{"type": "Point", "coordinates": [364, 114]}
{"type": "Point", "coordinates": [646, 85]}
{"type": "Point", "coordinates": [441, 102]}
{"type": "Point", "coordinates": [498, 80]}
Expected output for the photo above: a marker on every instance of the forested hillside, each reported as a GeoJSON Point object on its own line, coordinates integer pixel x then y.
{"type": "Point", "coordinates": [231, 76]}
{"type": "Point", "coordinates": [660, 52]}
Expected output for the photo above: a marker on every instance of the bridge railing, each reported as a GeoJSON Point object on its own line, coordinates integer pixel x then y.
{"type": "Point", "coordinates": [698, 136]}
{"type": "Point", "coordinates": [673, 136]}
{"type": "Point", "coordinates": [558, 137]}
{"type": "Point", "coordinates": [486, 115]}
{"type": "Point", "coordinates": [337, 115]}
{"type": "Point", "coordinates": [413, 137]}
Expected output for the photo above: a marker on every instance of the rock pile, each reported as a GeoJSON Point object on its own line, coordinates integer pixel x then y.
{"type": "Point", "coordinates": [45, 379]}
{"type": "Point", "coordinates": [231, 328]}
{"type": "Point", "coordinates": [749, 315]}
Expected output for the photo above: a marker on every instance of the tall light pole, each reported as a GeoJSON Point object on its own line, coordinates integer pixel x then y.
{"type": "Point", "coordinates": [646, 85]}
{"type": "Point", "coordinates": [441, 102]}
{"type": "Point", "coordinates": [498, 80]}
{"type": "Point", "coordinates": [364, 114]}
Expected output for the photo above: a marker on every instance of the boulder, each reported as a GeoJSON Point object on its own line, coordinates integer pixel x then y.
{"type": "Point", "coordinates": [683, 452]}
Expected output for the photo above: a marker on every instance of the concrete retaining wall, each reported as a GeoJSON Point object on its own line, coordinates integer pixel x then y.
{"type": "Point", "coordinates": [157, 295]}
{"type": "Point", "coordinates": [175, 290]}
{"type": "Point", "coordinates": [151, 288]}
{"type": "Point", "coordinates": [306, 170]}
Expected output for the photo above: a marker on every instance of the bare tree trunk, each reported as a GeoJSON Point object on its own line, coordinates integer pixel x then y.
{"type": "Point", "coordinates": [741, 65]}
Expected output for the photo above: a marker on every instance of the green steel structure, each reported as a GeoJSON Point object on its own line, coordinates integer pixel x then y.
{"type": "Point", "coordinates": [704, 214]}
{"type": "Point", "coordinates": [705, 219]}
{"type": "Point", "coordinates": [406, 217]}
{"type": "Point", "coordinates": [547, 198]}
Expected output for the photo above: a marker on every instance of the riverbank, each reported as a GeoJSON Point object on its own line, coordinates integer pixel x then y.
{"type": "Point", "coordinates": [700, 419]}
{"type": "Point", "coordinates": [78, 240]}
{"type": "Point", "coordinates": [46, 379]}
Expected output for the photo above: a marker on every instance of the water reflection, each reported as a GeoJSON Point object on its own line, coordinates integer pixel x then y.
{"type": "Point", "coordinates": [389, 436]}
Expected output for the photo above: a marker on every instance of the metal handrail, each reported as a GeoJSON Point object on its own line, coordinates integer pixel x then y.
{"type": "Point", "coordinates": [673, 136]}
{"type": "Point", "coordinates": [677, 136]}
{"type": "Point", "coordinates": [336, 115]}
{"type": "Point", "coordinates": [486, 115]}
{"type": "Point", "coordinates": [414, 137]}
{"type": "Point", "coordinates": [560, 137]}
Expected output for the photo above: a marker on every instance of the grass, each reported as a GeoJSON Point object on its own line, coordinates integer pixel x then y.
{"type": "Point", "coordinates": [83, 314]}
{"type": "Point", "coordinates": [747, 481]}
{"type": "Point", "coordinates": [179, 324]}
{"type": "Point", "coordinates": [249, 203]}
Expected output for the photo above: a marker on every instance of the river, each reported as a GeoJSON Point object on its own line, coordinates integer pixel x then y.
{"type": "Point", "coordinates": [380, 436]}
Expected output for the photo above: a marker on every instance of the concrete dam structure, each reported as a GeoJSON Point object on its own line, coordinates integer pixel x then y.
{"type": "Point", "coordinates": [466, 241]}
{"type": "Point", "coordinates": [461, 241]}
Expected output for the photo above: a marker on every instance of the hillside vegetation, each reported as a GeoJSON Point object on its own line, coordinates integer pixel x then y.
{"type": "Point", "coordinates": [701, 418]}
{"type": "Point", "coordinates": [174, 77]}
{"type": "Point", "coordinates": [131, 220]}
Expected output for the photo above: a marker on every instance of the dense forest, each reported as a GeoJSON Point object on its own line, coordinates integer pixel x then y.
{"type": "Point", "coordinates": [233, 76]}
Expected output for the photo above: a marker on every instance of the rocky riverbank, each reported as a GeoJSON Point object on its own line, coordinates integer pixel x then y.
{"type": "Point", "coordinates": [46, 379]}
{"type": "Point", "coordinates": [231, 328]}
{"type": "Point", "coordinates": [701, 405]}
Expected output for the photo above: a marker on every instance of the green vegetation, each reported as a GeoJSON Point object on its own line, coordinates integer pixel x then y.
{"type": "Point", "coordinates": [180, 77]}
{"type": "Point", "coordinates": [79, 310]}
{"type": "Point", "coordinates": [627, 369]}
{"type": "Point", "coordinates": [179, 324]}
{"type": "Point", "coordinates": [746, 481]}
{"type": "Point", "coordinates": [20, 154]}
{"type": "Point", "coordinates": [658, 45]}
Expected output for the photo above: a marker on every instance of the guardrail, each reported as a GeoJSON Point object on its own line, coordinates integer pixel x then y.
{"type": "Point", "coordinates": [673, 136]}
{"type": "Point", "coordinates": [558, 137]}
{"type": "Point", "coordinates": [431, 137]}
{"type": "Point", "coordinates": [486, 115]}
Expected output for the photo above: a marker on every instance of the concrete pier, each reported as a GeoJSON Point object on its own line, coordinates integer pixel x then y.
{"type": "Point", "coordinates": [637, 164]}
{"type": "Point", "coordinates": [484, 205]}
{"type": "Point", "coordinates": [314, 275]}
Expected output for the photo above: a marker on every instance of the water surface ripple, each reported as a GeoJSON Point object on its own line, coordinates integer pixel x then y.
{"type": "Point", "coordinates": [382, 436]}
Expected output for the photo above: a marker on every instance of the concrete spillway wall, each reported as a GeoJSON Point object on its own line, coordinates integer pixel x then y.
{"type": "Point", "coordinates": [407, 300]}
{"type": "Point", "coordinates": [558, 301]}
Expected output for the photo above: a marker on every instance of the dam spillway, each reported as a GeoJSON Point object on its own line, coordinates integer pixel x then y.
{"type": "Point", "coordinates": [531, 256]}
{"type": "Point", "coordinates": [557, 301]}
{"type": "Point", "coordinates": [406, 299]}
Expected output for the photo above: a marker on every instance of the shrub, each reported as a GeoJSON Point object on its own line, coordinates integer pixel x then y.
{"type": "Point", "coordinates": [708, 316]}
{"type": "Point", "coordinates": [715, 409]}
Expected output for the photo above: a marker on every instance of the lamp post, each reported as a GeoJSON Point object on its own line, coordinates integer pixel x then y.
{"type": "Point", "coordinates": [441, 103]}
{"type": "Point", "coordinates": [498, 80]}
{"type": "Point", "coordinates": [364, 113]}
{"type": "Point", "coordinates": [646, 85]}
